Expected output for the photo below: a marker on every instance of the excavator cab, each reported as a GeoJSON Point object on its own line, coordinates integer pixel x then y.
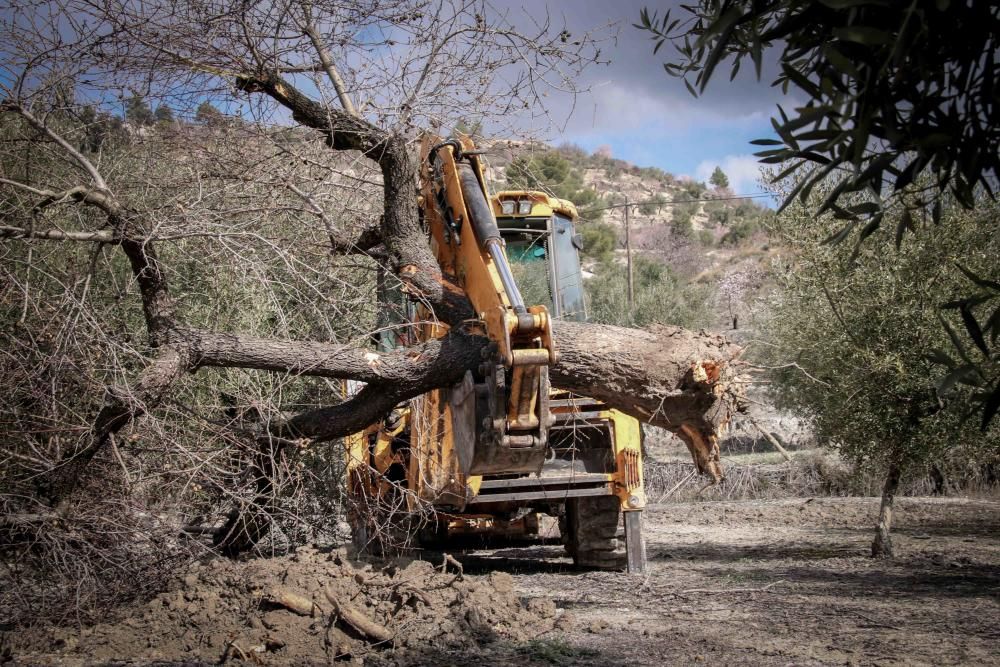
{"type": "Point", "coordinates": [500, 448]}
{"type": "Point", "coordinates": [544, 250]}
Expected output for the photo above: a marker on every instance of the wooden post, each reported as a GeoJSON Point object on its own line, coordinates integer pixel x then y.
{"type": "Point", "coordinates": [628, 260]}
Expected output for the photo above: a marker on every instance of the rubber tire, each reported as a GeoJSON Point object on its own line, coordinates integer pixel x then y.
{"type": "Point", "coordinates": [589, 531]}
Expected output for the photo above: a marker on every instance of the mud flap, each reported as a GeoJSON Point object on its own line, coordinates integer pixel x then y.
{"type": "Point", "coordinates": [635, 548]}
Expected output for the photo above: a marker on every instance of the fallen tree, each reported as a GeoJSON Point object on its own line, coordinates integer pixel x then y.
{"type": "Point", "coordinates": [682, 380]}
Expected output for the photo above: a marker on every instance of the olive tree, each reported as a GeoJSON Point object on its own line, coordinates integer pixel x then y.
{"type": "Point", "coordinates": [855, 343]}
{"type": "Point", "coordinates": [899, 104]}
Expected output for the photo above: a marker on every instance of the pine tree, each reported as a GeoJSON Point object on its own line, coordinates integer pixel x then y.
{"type": "Point", "coordinates": [137, 111]}
{"type": "Point", "coordinates": [719, 178]}
{"type": "Point", "coordinates": [207, 113]}
{"type": "Point", "coordinates": [164, 114]}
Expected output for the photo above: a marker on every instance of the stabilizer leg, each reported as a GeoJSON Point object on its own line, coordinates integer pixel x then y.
{"type": "Point", "coordinates": [635, 548]}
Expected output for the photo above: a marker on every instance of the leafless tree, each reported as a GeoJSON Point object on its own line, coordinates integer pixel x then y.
{"type": "Point", "coordinates": [181, 302]}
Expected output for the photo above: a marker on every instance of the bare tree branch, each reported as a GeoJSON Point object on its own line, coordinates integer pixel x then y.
{"type": "Point", "coordinates": [57, 235]}
{"type": "Point", "coordinates": [309, 28]}
{"type": "Point", "coordinates": [77, 156]}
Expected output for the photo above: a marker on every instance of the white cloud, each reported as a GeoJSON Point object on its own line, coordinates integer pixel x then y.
{"type": "Point", "coordinates": [743, 172]}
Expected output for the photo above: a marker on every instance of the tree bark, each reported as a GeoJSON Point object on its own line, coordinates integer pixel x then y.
{"type": "Point", "coordinates": [882, 545]}
{"type": "Point", "coordinates": [401, 230]}
{"type": "Point", "coordinates": [681, 380]}
{"type": "Point", "coordinates": [684, 381]}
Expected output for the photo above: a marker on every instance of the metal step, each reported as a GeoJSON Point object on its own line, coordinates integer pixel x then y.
{"type": "Point", "coordinates": [563, 480]}
{"type": "Point", "coordinates": [543, 488]}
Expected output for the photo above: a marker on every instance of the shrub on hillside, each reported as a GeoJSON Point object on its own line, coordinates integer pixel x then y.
{"type": "Point", "coordinates": [653, 205]}
{"type": "Point", "coordinates": [599, 240]}
{"type": "Point", "coordinates": [661, 296]}
{"type": "Point", "coordinates": [740, 232]}
{"type": "Point", "coordinates": [680, 222]}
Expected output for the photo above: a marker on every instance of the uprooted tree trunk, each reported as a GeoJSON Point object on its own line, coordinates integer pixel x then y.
{"type": "Point", "coordinates": [684, 381]}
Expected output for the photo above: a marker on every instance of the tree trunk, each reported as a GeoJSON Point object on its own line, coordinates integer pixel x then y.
{"type": "Point", "coordinates": [882, 546]}
{"type": "Point", "coordinates": [681, 380]}
{"type": "Point", "coordinates": [685, 381]}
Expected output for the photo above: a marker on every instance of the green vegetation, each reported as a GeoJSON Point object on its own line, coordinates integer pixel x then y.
{"type": "Point", "coordinates": [654, 173]}
{"type": "Point", "coordinates": [599, 240]}
{"type": "Point", "coordinates": [661, 296]}
{"type": "Point", "coordinates": [861, 65]}
{"type": "Point", "coordinates": [532, 279]}
{"type": "Point", "coordinates": [680, 221]}
{"type": "Point", "coordinates": [718, 213]}
{"type": "Point", "coordinates": [895, 92]}
{"type": "Point", "coordinates": [164, 114]}
{"type": "Point", "coordinates": [207, 113]}
{"type": "Point", "coordinates": [553, 172]}
{"type": "Point", "coordinates": [719, 178]}
{"type": "Point", "coordinates": [653, 205]}
{"type": "Point", "coordinates": [138, 112]}
{"type": "Point", "coordinates": [740, 232]}
{"type": "Point", "coordinates": [692, 190]}
{"type": "Point", "coordinates": [859, 329]}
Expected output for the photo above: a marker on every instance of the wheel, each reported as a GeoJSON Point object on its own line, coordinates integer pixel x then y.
{"type": "Point", "coordinates": [589, 531]}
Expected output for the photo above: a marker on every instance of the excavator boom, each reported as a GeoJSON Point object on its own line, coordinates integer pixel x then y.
{"type": "Point", "coordinates": [468, 244]}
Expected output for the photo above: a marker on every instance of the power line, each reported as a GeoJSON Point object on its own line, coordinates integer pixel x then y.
{"type": "Point", "coordinates": [660, 202]}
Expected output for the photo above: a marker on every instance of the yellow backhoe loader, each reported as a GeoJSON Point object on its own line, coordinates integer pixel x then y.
{"type": "Point", "coordinates": [501, 447]}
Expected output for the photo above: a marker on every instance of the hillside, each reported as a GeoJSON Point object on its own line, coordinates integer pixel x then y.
{"type": "Point", "coordinates": [708, 240]}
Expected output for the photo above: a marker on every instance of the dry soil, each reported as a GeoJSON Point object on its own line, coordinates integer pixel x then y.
{"type": "Point", "coordinates": [729, 583]}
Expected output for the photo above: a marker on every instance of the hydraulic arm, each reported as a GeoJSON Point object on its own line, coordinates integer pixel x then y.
{"type": "Point", "coordinates": [468, 244]}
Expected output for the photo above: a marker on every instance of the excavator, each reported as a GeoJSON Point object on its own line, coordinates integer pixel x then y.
{"type": "Point", "coordinates": [494, 453]}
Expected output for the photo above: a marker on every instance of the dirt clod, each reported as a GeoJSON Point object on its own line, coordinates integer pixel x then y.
{"type": "Point", "coordinates": [263, 608]}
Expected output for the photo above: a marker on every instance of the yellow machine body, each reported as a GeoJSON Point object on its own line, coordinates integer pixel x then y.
{"type": "Point", "coordinates": [497, 448]}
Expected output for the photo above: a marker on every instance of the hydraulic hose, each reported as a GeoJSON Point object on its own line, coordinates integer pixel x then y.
{"type": "Point", "coordinates": [484, 225]}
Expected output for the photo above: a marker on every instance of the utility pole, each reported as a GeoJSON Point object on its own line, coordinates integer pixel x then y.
{"type": "Point", "coordinates": [628, 261]}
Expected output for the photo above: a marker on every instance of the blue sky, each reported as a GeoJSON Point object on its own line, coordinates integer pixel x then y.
{"type": "Point", "coordinates": [648, 117]}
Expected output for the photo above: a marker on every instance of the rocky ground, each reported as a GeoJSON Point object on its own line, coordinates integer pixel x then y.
{"type": "Point", "coordinates": [756, 582]}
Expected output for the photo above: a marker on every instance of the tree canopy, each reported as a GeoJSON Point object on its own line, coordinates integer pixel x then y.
{"type": "Point", "coordinates": [859, 335]}
{"type": "Point", "coordinates": [894, 88]}
{"type": "Point", "coordinates": [901, 105]}
{"type": "Point", "coordinates": [719, 178]}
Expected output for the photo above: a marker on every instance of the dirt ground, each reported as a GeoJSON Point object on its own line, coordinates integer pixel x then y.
{"type": "Point", "coordinates": [784, 582]}
{"type": "Point", "coordinates": [757, 582]}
